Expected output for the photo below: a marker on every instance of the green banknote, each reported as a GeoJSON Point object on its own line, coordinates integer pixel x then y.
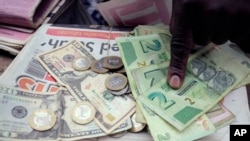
{"type": "Point", "coordinates": [134, 56]}
{"type": "Point", "coordinates": [244, 61]}
{"type": "Point", "coordinates": [141, 51]}
{"type": "Point", "coordinates": [163, 31]}
{"type": "Point", "coordinates": [209, 78]}
{"type": "Point", "coordinates": [147, 77]}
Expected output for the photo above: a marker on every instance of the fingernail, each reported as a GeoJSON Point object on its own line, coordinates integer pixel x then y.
{"type": "Point", "coordinates": [175, 81]}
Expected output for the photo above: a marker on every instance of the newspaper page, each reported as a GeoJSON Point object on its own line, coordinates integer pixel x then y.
{"type": "Point", "coordinates": [27, 73]}
{"type": "Point", "coordinates": [26, 13]}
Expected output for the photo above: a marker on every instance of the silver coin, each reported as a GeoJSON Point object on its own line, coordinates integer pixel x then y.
{"type": "Point", "coordinates": [116, 82]}
{"type": "Point", "coordinates": [97, 66]}
{"type": "Point", "coordinates": [81, 63]}
{"type": "Point", "coordinates": [120, 92]}
{"type": "Point", "coordinates": [113, 62]}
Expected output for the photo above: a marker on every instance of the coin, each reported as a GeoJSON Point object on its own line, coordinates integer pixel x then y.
{"type": "Point", "coordinates": [120, 92]}
{"type": "Point", "coordinates": [120, 70]}
{"type": "Point", "coordinates": [116, 81]}
{"type": "Point", "coordinates": [42, 119]}
{"type": "Point", "coordinates": [81, 63]}
{"type": "Point", "coordinates": [136, 126]}
{"type": "Point", "coordinates": [83, 112]}
{"type": "Point", "coordinates": [112, 62]}
{"type": "Point", "coordinates": [97, 66]}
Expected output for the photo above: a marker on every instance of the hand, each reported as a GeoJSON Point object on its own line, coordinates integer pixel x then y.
{"type": "Point", "coordinates": [203, 21]}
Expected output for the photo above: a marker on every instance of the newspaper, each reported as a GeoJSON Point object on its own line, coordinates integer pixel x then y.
{"type": "Point", "coordinates": [25, 13]}
{"type": "Point", "coordinates": [27, 73]}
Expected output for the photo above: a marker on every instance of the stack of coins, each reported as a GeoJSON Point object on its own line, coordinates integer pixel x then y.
{"type": "Point", "coordinates": [108, 64]}
{"type": "Point", "coordinates": [117, 82]}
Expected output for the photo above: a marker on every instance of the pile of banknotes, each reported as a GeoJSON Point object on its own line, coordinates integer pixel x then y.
{"type": "Point", "coordinates": [190, 112]}
{"type": "Point", "coordinates": [116, 94]}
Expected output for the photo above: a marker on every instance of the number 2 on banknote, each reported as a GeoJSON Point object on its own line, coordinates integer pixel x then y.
{"type": "Point", "coordinates": [189, 100]}
{"type": "Point", "coordinates": [154, 76]}
{"type": "Point", "coordinates": [153, 45]}
{"type": "Point", "coordinates": [163, 102]}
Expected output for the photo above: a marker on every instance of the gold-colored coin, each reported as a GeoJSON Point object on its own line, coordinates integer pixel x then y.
{"type": "Point", "coordinates": [116, 82]}
{"type": "Point", "coordinates": [113, 62]}
{"type": "Point", "coordinates": [42, 119]}
{"type": "Point", "coordinates": [97, 66]}
{"type": "Point", "coordinates": [136, 126]}
{"type": "Point", "coordinates": [81, 63]}
{"type": "Point", "coordinates": [83, 112]}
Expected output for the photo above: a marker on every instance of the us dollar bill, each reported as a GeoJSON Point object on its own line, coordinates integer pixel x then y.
{"type": "Point", "coordinates": [87, 85]}
{"type": "Point", "coordinates": [70, 130]}
{"type": "Point", "coordinates": [17, 106]}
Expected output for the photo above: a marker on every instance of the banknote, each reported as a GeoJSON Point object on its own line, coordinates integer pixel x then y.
{"type": "Point", "coordinates": [162, 30]}
{"type": "Point", "coordinates": [111, 111]}
{"type": "Point", "coordinates": [244, 61]}
{"type": "Point", "coordinates": [209, 78]}
{"type": "Point", "coordinates": [73, 131]}
{"type": "Point", "coordinates": [222, 119]}
{"type": "Point", "coordinates": [59, 61]}
{"type": "Point", "coordinates": [165, 35]}
{"type": "Point", "coordinates": [134, 57]}
{"type": "Point", "coordinates": [141, 51]}
{"type": "Point", "coordinates": [17, 106]}
{"type": "Point", "coordinates": [148, 76]}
